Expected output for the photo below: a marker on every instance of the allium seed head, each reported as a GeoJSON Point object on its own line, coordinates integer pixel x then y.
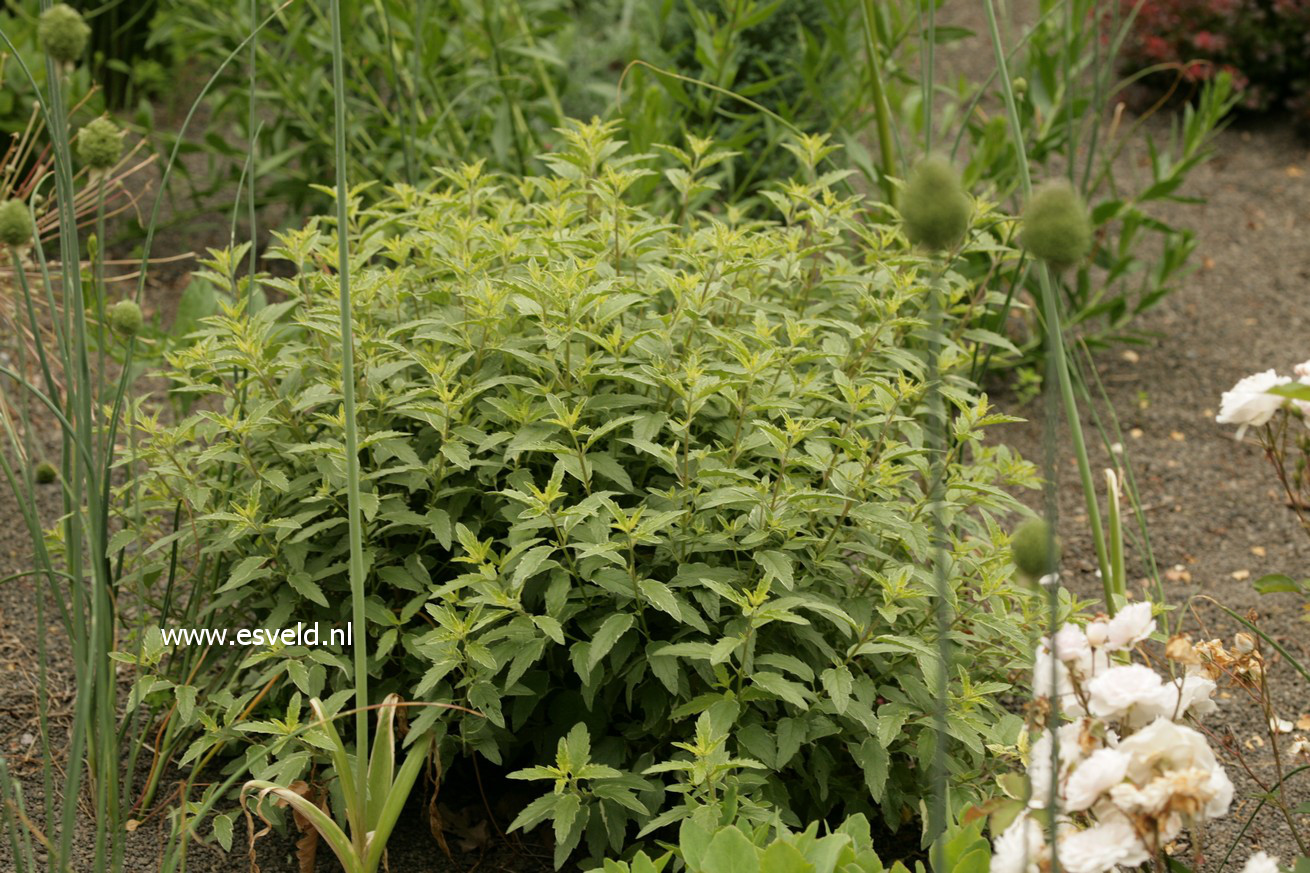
{"type": "Point", "coordinates": [1056, 225]}
{"type": "Point", "coordinates": [936, 208]}
{"type": "Point", "coordinates": [46, 473]}
{"type": "Point", "coordinates": [62, 33]}
{"type": "Point", "coordinates": [125, 317]}
{"type": "Point", "coordinates": [100, 144]}
{"type": "Point", "coordinates": [1031, 548]}
{"type": "Point", "coordinates": [15, 223]}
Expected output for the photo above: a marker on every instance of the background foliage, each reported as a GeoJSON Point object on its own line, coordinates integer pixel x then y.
{"type": "Point", "coordinates": [1263, 45]}
{"type": "Point", "coordinates": [433, 83]}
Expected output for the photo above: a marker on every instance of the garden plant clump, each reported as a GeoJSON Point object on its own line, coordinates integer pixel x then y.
{"type": "Point", "coordinates": [656, 487]}
{"type": "Point", "coordinates": [621, 494]}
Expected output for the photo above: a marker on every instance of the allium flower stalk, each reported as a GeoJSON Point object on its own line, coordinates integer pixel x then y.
{"type": "Point", "coordinates": [62, 33]}
{"type": "Point", "coordinates": [15, 223]}
{"type": "Point", "coordinates": [99, 145]}
{"type": "Point", "coordinates": [1056, 225]}
{"type": "Point", "coordinates": [936, 207]}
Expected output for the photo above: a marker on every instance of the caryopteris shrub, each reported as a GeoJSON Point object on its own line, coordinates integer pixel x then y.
{"type": "Point", "coordinates": [648, 494]}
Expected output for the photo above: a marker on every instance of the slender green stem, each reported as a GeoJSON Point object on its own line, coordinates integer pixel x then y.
{"type": "Point", "coordinates": [1054, 330]}
{"type": "Point", "coordinates": [882, 112]}
{"type": "Point", "coordinates": [82, 500]}
{"type": "Point", "coordinates": [929, 37]}
{"type": "Point", "coordinates": [360, 638]}
{"type": "Point", "coordinates": [252, 146]}
{"type": "Point", "coordinates": [937, 435]}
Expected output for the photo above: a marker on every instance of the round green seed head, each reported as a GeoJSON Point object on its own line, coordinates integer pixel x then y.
{"type": "Point", "coordinates": [1056, 225]}
{"type": "Point", "coordinates": [1020, 84]}
{"type": "Point", "coordinates": [936, 208]}
{"type": "Point", "coordinates": [100, 144]}
{"type": "Point", "coordinates": [1031, 546]}
{"type": "Point", "coordinates": [15, 223]}
{"type": "Point", "coordinates": [46, 473]}
{"type": "Point", "coordinates": [125, 317]}
{"type": "Point", "coordinates": [62, 33]}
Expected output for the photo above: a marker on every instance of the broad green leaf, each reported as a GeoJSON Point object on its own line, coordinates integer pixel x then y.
{"type": "Point", "coordinates": [730, 852]}
{"type": "Point", "coordinates": [614, 627]}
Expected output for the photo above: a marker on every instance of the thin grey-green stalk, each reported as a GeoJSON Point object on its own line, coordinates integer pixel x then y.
{"type": "Point", "coordinates": [1054, 330]}
{"type": "Point", "coordinates": [354, 520]}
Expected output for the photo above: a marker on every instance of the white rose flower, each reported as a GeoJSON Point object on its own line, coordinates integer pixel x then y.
{"type": "Point", "coordinates": [1302, 373]}
{"type": "Point", "coordinates": [1248, 403]}
{"type": "Point", "coordinates": [1131, 693]}
{"type": "Point", "coordinates": [1130, 626]}
{"type": "Point", "coordinates": [1039, 760]}
{"type": "Point", "coordinates": [1020, 848]}
{"type": "Point", "coordinates": [1194, 694]}
{"type": "Point", "coordinates": [1071, 644]}
{"type": "Point", "coordinates": [1092, 777]}
{"type": "Point", "coordinates": [1103, 847]}
{"type": "Point", "coordinates": [1164, 746]}
{"type": "Point", "coordinates": [1190, 695]}
{"type": "Point", "coordinates": [1043, 665]}
{"type": "Point", "coordinates": [1097, 632]}
{"type": "Point", "coordinates": [1260, 862]}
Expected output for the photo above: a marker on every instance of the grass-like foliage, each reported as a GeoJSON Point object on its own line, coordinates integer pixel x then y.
{"type": "Point", "coordinates": [658, 486]}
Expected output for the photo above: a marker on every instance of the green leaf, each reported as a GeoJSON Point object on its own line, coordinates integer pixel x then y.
{"type": "Point", "coordinates": [565, 817]}
{"type": "Point", "coordinates": [891, 718]}
{"type": "Point", "coordinates": [838, 682]}
{"type": "Point", "coordinates": [307, 588]}
{"type": "Point", "coordinates": [245, 572]}
{"type": "Point", "coordinates": [874, 761]}
{"type": "Point", "coordinates": [777, 566]}
{"type": "Point", "coordinates": [791, 736]}
{"type": "Point", "coordinates": [223, 830]}
{"type": "Point", "coordinates": [694, 840]}
{"type": "Point", "coordinates": [782, 857]}
{"type": "Point", "coordinates": [186, 703]}
{"type": "Point", "coordinates": [784, 689]}
{"type": "Point", "coordinates": [660, 597]}
{"type": "Point", "coordinates": [1277, 583]}
{"type": "Point", "coordinates": [535, 812]}
{"type": "Point", "coordinates": [730, 852]}
{"type": "Point", "coordinates": [614, 627]}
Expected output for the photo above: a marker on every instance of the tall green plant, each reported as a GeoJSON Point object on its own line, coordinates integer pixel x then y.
{"type": "Point", "coordinates": [353, 519]}
{"type": "Point", "coordinates": [88, 437]}
{"type": "Point", "coordinates": [1053, 319]}
{"type": "Point", "coordinates": [86, 358]}
{"type": "Point", "coordinates": [374, 792]}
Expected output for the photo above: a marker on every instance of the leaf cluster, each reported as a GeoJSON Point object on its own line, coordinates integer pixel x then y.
{"type": "Point", "coordinates": [648, 491]}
